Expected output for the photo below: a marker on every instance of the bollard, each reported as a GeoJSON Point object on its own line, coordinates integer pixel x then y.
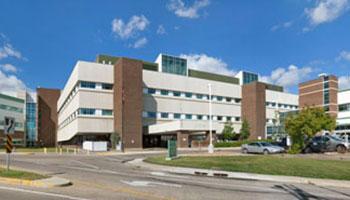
{"type": "Point", "coordinates": [45, 150]}
{"type": "Point", "coordinates": [75, 151]}
{"type": "Point", "coordinates": [88, 152]}
{"type": "Point", "coordinates": [60, 151]}
{"type": "Point", "coordinates": [56, 150]}
{"type": "Point", "coordinates": [67, 150]}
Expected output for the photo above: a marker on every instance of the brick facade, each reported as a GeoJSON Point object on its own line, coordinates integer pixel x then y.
{"type": "Point", "coordinates": [47, 116]}
{"type": "Point", "coordinates": [128, 104]}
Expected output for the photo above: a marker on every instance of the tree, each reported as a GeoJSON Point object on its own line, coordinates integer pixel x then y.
{"type": "Point", "coordinates": [228, 131]}
{"type": "Point", "coordinates": [306, 124]}
{"type": "Point", "coordinates": [245, 130]}
{"type": "Point", "coordinates": [114, 139]}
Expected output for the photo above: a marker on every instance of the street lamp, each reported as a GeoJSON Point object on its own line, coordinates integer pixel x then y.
{"type": "Point", "coordinates": [210, 147]}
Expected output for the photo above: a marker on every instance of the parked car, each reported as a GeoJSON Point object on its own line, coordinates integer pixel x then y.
{"type": "Point", "coordinates": [326, 143]}
{"type": "Point", "coordinates": [261, 147]}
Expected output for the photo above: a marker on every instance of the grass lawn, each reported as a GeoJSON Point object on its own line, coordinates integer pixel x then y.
{"type": "Point", "coordinates": [20, 174]}
{"type": "Point", "coordinates": [273, 165]}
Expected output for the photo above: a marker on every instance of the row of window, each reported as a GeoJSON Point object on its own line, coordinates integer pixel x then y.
{"type": "Point", "coordinates": [86, 84]}
{"type": "Point", "coordinates": [190, 95]}
{"type": "Point", "coordinates": [11, 108]}
{"type": "Point", "coordinates": [86, 112]}
{"type": "Point", "coordinates": [344, 107]}
{"type": "Point", "coordinates": [166, 115]}
{"type": "Point", "coordinates": [280, 105]}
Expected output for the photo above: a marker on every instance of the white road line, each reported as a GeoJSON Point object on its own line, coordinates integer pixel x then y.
{"type": "Point", "coordinates": [41, 193]}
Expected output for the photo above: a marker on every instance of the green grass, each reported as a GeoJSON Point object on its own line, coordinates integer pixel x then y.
{"type": "Point", "coordinates": [20, 174]}
{"type": "Point", "coordinates": [33, 149]}
{"type": "Point", "coordinates": [272, 165]}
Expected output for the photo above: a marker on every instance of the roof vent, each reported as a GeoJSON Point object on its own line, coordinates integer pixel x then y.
{"type": "Point", "coordinates": [322, 75]}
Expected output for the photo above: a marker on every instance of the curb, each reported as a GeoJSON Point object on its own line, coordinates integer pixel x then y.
{"type": "Point", "coordinates": [46, 183]}
{"type": "Point", "coordinates": [242, 176]}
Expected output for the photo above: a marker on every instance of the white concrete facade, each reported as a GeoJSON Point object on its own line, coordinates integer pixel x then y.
{"type": "Point", "coordinates": [343, 118]}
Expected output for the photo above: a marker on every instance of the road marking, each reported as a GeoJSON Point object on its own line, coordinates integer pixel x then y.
{"type": "Point", "coordinates": [168, 175]}
{"type": "Point", "coordinates": [149, 184]}
{"type": "Point", "coordinates": [41, 193]}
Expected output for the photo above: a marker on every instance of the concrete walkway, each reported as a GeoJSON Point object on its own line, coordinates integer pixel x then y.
{"type": "Point", "coordinates": [239, 175]}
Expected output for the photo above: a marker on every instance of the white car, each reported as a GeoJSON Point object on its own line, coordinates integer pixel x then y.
{"type": "Point", "coordinates": [261, 147]}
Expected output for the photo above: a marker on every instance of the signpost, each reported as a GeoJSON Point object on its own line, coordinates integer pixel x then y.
{"type": "Point", "coordinates": [172, 150]}
{"type": "Point", "coordinates": [9, 130]}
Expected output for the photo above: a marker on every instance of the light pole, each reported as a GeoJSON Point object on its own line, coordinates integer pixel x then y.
{"type": "Point", "coordinates": [210, 147]}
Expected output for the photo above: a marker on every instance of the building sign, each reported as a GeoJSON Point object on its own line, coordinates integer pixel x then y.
{"type": "Point", "coordinates": [172, 150]}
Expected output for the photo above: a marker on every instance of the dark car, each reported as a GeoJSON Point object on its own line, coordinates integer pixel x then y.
{"type": "Point", "coordinates": [326, 143]}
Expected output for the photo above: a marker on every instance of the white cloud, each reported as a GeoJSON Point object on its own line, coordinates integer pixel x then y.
{"type": "Point", "coordinates": [161, 30]}
{"type": "Point", "coordinates": [283, 25]}
{"type": "Point", "coordinates": [287, 77]}
{"type": "Point", "coordinates": [344, 55]}
{"type": "Point", "coordinates": [344, 82]}
{"type": "Point", "coordinates": [10, 84]}
{"type": "Point", "coordinates": [8, 68]}
{"type": "Point", "coordinates": [140, 43]}
{"type": "Point", "coordinates": [206, 63]}
{"type": "Point", "coordinates": [135, 25]}
{"type": "Point", "coordinates": [181, 10]}
{"type": "Point", "coordinates": [326, 11]}
{"type": "Point", "coordinates": [8, 51]}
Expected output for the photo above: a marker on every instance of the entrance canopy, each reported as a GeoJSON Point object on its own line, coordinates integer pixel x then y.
{"type": "Point", "coordinates": [184, 125]}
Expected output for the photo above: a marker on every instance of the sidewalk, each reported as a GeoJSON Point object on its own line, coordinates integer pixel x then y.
{"type": "Point", "coordinates": [242, 176]}
{"type": "Point", "coordinates": [46, 183]}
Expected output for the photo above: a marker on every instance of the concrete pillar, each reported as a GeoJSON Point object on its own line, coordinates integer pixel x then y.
{"type": "Point", "coordinates": [182, 139]}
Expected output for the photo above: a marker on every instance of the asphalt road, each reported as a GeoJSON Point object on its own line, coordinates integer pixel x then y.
{"type": "Point", "coordinates": [111, 177]}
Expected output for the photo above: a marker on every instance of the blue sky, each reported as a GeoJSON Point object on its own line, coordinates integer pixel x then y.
{"type": "Point", "coordinates": [285, 41]}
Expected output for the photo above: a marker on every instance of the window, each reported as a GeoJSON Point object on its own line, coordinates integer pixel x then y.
{"type": "Point", "coordinates": [228, 119]}
{"type": "Point", "coordinates": [174, 65]}
{"type": "Point", "coordinates": [200, 117]}
{"type": "Point", "coordinates": [237, 119]}
{"type": "Point", "coordinates": [107, 112]}
{"type": "Point", "coordinates": [177, 115]}
{"type": "Point", "coordinates": [199, 96]}
{"type": "Point", "coordinates": [164, 115]}
{"type": "Point", "coordinates": [151, 114]}
{"type": "Point", "coordinates": [85, 84]}
{"type": "Point", "coordinates": [219, 118]}
{"type": "Point", "coordinates": [164, 92]}
{"type": "Point", "coordinates": [237, 100]}
{"type": "Point", "coordinates": [107, 86]}
{"type": "Point", "coordinates": [219, 98]}
{"type": "Point", "coordinates": [326, 85]}
{"type": "Point", "coordinates": [87, 111]}
{"type": "Point", "coordinates": [228, 99]}
{"type": "Point", "coordinates": [344, 107]}
{"type": "Point", "coordinates": [176, 93]}
{"type": "Point", "coordinates": [188, 95]}
{"type": "Point", "coordinates": [326, 97]}
{"type": "Point", "coordinates": [151, 91]}
{"type": "Point", "coordinates": [188, 116]}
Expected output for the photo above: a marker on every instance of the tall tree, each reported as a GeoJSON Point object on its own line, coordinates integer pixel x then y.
{"type": "Point", "coordinates": [306, 124]}
{"type": "Point", "coordinates": [228, 131]}
{"type": "Point", "coordinates": [245, 130]}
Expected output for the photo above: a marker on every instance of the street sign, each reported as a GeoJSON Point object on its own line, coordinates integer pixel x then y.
{"type": "Point", "coordinates": [9, 127]}
{"type": "Point", "coordinates": [172, 150]}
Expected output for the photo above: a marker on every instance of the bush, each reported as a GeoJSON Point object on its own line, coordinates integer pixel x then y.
{"type": "Point", "coordinates": [237, 143]}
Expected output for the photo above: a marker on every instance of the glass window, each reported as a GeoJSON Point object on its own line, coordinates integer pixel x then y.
{"type": "Point", "coordinates": [228, 119]}
{"type": "Point", "coordinates": [326, 85]}
{"type": "Point", "coordinates": [237, 100]}
{"type": "Point", "coordinates": [176, 93]}
{"type": "Point", "coordinates": [151, 91]}
{"type": "Point", "coordinates": [228, 99]}
{"type": "Point", "coordinates": [219, 98]}
{"type": "Point", "coordinates": [151, 114]}
{"type": "Point", "coordinates": [188, 95]}
{"type": "Point", "coordinates": [188, 116]}
{"type": "Point", "coordinates": [107, 112]}
{"type": "Point", "coordinates": [344, 107]}
{"type": "Point", "coordinates": [164, 115]}
{"type": "Point", "coordinates": [219, 118]}
{"type": "Point", "coordinates": [107, 86]}
{"type": "Point", "coordinates": [199, 96]}
{"type": "Point", "coordinates": [174, 65]}
{"type": "Point", "coordinates": [200, 117]}
{"type": "Point", "coordinates": [177, 115]}
{"type": "Point", "coordinates": [237, 119]}
{"type": "Point", "coordinates": [85, 84]}
{"type": "Point", "coordinates": [87, 111]}
{"type": "Point", "coordinates": [326, 97]}
{"type": "Point", "coordinates": [164, 92]}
